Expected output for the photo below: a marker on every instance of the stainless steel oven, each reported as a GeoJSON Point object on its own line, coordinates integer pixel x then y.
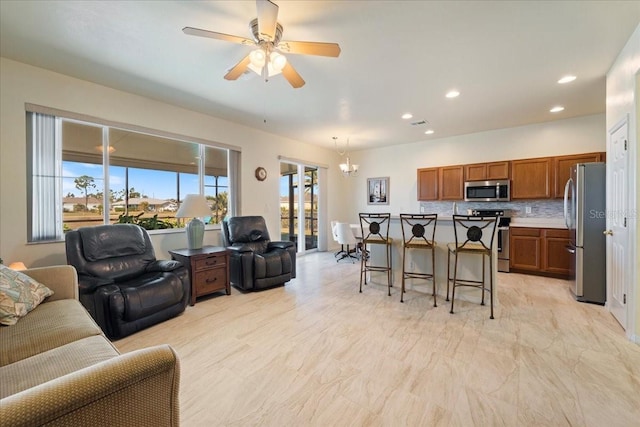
{"type": "Point", "coordinates": [504, 219]}
{"type": "Point", "coordinates": [503, 249]}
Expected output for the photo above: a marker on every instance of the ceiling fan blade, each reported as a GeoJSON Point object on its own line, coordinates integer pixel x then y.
{"type": "Point", "coordinates": [310, 48]}
{"type": "Point", "coordinates": [267, 19]}
{"type": "Point", "coordinates": [239, 69]}
{"type": "Point", "coordinates": [219, 36]}
{"type": "Point", "coordinates": [292, 76]}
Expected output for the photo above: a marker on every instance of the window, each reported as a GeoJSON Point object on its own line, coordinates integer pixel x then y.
{"type": "Point", "coordinates": [86, 173]}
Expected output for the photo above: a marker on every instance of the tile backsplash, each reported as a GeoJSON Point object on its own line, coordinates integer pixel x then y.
{"type": "Point", "coordinates": [544, 208]}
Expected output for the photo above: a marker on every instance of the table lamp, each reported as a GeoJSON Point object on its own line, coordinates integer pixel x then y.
{"type": "Point", "coordinates": [194, 206]}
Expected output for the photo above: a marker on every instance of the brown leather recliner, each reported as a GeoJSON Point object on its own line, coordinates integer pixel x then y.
{"type": "Point", "coordinates": [255, 262]}
{"type": "Point", "coordinates": [121, 284]}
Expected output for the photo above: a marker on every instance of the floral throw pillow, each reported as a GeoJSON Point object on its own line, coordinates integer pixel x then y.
{"type": "Point", "coordinates": [19, 294]}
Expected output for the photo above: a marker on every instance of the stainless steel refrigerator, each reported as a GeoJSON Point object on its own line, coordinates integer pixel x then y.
{"type": "Point", "coordinates": [585, 216]}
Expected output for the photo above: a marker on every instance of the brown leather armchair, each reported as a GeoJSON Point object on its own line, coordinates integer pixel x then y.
{"type": "Point", "coordinates": [256, 262]}
{"type": "Point", "coordinates": [121, 284]}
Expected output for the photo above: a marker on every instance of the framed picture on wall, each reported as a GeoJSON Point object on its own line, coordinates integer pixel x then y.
{"type": "Point", "coordinates": [378, 191]}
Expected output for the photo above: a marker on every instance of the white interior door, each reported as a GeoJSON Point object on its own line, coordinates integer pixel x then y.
{"type": "Point", "coordinates": [617, 240]}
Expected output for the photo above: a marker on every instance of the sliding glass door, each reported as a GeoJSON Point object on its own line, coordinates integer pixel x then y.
{"type": "Point", "coordinates": [299, 209]}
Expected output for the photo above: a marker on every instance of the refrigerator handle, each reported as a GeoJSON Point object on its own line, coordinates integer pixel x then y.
{"type": "Point", "coordinates": [566, 204]}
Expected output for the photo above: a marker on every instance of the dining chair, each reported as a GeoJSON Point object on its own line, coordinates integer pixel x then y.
{"type": "Point", "coordinates": [474, 235]}
{"type": "Point", "coordinates": [375, 231]}
{"type": "Point", "coordinates": [418, 232]}
{"type": "Point", "coordinates": [348, 240]}
{"type": "Point", "coordinates": [335, 238]}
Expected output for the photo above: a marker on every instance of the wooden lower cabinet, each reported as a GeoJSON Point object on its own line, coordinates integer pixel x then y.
{"type": "Point", "coordinates": [525, 249]}
{"type": "Point", "coordinates": [556, 258]}
{"type": "Point", "coordinates": [540, 251]}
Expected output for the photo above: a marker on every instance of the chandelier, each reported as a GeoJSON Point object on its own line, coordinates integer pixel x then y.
{"type": "Point", "coordinates": [347, 168]}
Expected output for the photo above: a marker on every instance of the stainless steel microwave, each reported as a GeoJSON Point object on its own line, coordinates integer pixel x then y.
{"type": "Point", "coordinates": [487, 191]}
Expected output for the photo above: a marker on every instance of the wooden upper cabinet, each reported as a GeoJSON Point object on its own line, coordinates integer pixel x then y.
{"type": "Point", "coordinates": [539, 178]}
{"type": "Point", "coordinates": [477, 172]}
{"type": "Point", "coordinates": [532, 178]}
{"type": "Point", "coordinates": [498, 170]}
{"type": "Point", "coordinates": [428, 184]}
{"type": "Point", "coordinates": [451, 183]}
{"type": "Point", "coordinates": [486, 171]}
{"type": "Point", "coordinates": [563, 166]}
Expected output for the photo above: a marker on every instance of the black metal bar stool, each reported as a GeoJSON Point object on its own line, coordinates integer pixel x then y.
{"type": "Point", "coordinates": [375, 231]}
{"type": "Point", "coordinates": [474, 235]}
{"type": "Point", "coordinates": [418, 232]}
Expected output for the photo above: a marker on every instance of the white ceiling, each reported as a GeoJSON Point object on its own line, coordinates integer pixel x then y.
{"type": "Point", "coordinates": [397, 56]}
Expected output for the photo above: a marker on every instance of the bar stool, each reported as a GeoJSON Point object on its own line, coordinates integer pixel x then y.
{"type": "Point", "coordinates": [375, 231]}
{"type": "Point", "coordinates": [418, 232]}
{"type": "Point", "coordinates": [474, 235]}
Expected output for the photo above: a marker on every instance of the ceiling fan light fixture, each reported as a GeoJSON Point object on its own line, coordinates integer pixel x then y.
{"type": "Point", "coordinates": [277, 61]}
{"type": "Point", "coordinates": [258, 58]}
{"type": "Point", "coordinates": [267, 37]}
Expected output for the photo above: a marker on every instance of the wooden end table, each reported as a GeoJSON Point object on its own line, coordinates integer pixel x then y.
{"type": "Point", "coordinates": [208, 269]}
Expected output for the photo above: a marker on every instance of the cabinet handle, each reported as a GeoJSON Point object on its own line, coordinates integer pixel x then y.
{"type": "Point", "coordinates": [211, 262]}
{"type": "Point", "coordinates": [211, 280]}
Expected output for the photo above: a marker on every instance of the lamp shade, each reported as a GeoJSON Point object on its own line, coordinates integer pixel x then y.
{"type": "Point", "coordinates": [193, 206]}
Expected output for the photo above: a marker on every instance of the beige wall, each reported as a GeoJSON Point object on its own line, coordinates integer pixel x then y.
{"type": "Point", "coordinates": [20, 84]}
{"type": "Point", "coordinates": [621, 102]}
{"type": "Point", "coordinates": [570, 136]}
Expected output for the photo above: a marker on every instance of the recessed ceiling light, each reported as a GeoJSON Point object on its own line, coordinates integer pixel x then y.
{"type": "Point", "coordinates": [428, 132]}
{"type": "Point", "coordinates": [407, 116]}
{"type": "Point", "coordinates": [452, 94]}
{"type": "Point", "coordinates": [566, 79]}
{"type": "Point", "coordinates": [556, 109]}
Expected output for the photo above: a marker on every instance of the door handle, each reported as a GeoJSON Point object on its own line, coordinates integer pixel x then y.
{"type": "Point", "coordinates": [566, 204]}
{"type": "Point", "coordinates": [570, 249]}
{"type": "Point", "coordinates": [608, 232]}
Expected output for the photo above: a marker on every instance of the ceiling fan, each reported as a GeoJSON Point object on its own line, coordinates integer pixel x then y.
{"type": "Point", "coordinates": [267, 60]}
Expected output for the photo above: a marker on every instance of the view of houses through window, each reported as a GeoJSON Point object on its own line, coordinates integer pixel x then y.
{"type": "Point", "coordinates": [145, 176]}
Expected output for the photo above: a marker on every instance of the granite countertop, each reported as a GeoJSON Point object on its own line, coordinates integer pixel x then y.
{"type": "Point", "coordinates": [538, 222]}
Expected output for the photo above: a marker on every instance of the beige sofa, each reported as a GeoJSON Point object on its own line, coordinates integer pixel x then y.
{"type": "Point", "coordinates": [57, 368]}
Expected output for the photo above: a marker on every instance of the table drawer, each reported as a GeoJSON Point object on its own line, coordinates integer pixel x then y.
{"type": "Point", "coordinates": [211, 261]}
{"type": "Point", "coordinates": [210, 280]}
